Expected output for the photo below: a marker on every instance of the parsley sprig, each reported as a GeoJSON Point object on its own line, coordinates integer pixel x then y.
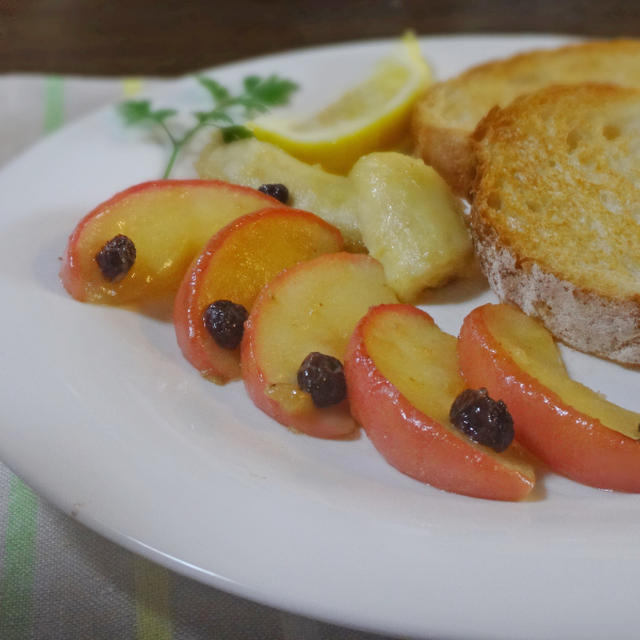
{"type": "Point", "coordinates": [229, 111]}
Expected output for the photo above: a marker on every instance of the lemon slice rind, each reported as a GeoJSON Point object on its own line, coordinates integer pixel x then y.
{"type": "Point", "coordinates": [373, 115]}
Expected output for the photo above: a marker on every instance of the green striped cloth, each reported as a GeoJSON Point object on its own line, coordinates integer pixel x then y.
{"type": "Point", "coordinates": [58, 580]}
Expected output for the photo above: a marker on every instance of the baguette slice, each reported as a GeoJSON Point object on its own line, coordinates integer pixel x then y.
{"type": "Point", "coordinates": [449, 112]}
{"type": "Point", "coordinates": [555, 213]}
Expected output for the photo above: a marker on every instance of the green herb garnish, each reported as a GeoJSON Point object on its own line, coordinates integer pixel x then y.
{"type": "Point", "coordinates": [229, 111]}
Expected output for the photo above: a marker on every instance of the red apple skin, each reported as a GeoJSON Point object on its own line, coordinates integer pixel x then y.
{"type": "Point", "coordinates": [198, 347]}
{"type": "Point", "coordinates": [411, 441]}
{"type": "Point", "coordinates": [569, 442]}
{"type": "Point", "coordinates": [329, 422]}
{"type": "Point", "coordinates": [200, 350]}
{"type": "Point", "coordinates": [71, 274]}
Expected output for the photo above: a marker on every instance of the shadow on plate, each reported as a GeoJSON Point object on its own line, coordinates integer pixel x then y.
{"type": "Point", "coordinates": [457, 291]}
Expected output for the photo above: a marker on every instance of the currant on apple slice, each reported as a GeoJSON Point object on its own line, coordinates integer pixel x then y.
{"type": "Point", "coordinates": [310, 308]}
{"type": "Point", "coordinates": [234, 266]}
{"type": "Point", "coordinates": [253, 163]}
{"type": "Point", "coordinates": [571, 428]}
{"type": "Point", "coordinates": [402, 379]}
{"type": "Point", "coordinates": [138, 244]}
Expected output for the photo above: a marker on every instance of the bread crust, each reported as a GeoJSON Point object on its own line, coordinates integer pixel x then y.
{"type": "Point", "coordinates": [595, 320]}
{"type": "Point", "coordinates": [604, 326]}
{"type": "Point", "coordinates": [449, 152]}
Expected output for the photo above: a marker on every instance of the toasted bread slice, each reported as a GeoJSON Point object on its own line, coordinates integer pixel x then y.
{"type": "Point", "coordinates": [555, 212]}
{"type": "Point", "coordinates": [449, 112]}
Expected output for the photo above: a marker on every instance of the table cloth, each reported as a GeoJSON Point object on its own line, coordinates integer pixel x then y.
{"type": "Point", "coordinates": [59, 580]}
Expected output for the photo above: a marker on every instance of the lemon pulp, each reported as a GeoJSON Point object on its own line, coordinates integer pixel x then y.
{"type": "Point", "coordinates": [373, 115]}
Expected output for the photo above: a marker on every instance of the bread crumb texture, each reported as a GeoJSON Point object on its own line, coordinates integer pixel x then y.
{"type": "Point", "coordinates": [461, 101]}
{"type": "Point", "coordinates": [448, 113]}
{"type": "Point", "coordinates": [558, 179]}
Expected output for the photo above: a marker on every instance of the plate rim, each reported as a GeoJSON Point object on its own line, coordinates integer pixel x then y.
{"type": "Point", "coordinates": [139, 546]}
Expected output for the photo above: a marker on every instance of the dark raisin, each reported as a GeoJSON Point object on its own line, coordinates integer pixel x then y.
{"type": "Point", "coordinates": [276, 190]}
{"type": "Point", "coordinates": [323, 377]}
{"type": "Point", "coordinates": [116, 257]}
{"type": "Point", "coordinates": [483, 419]}
{"type": "Point", "coordinates": [224, 320]}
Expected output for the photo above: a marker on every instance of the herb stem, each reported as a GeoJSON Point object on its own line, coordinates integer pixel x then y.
{"type": "Point", "coordinates": [192, 132]}
{"type": "Point", "coordinates": [168, 132]}
{"type": "Point", "coordinates": [178, 145]}
{"type": "Point", "coordinates": [172, 159]}
{"type": "Point", "coordinates": [259, 94]}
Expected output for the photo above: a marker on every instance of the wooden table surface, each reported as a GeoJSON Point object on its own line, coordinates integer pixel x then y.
{"type": "Point", "coordinates": [177, 36]}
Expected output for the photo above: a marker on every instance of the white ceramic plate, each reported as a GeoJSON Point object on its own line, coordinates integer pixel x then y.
{"type": "Point", "coordinates": [101, 415]}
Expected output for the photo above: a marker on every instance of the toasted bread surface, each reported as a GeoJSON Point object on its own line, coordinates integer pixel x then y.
{"type": "Point", "coordinates": [449, 112]}
{"type": "Point", "coordinates": [555, 214]}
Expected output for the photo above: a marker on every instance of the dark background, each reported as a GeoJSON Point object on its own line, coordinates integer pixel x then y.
{"type": "Point", "coordinates": [173, 36]}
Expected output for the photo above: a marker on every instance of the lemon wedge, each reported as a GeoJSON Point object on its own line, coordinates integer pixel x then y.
{"type": "Point", "coordinates": [371, 116]}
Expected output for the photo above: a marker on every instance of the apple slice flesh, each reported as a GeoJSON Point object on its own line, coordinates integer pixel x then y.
{"type": "Point", "coordinates": [311, 307]}
{"type": "Point", "coordinates": [234, 265]}
{"type": "Point", "coordinates": [402, 377]}
{"type": "Point", "coordinates": [575, 431]}
{"type": "Point", "coordinates": [168, 221]}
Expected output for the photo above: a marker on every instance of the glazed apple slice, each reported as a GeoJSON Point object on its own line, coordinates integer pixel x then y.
{"type": "Point", "coordinates": [310, 308]}
{"type": "Point", "coordinates": [138, 244]}
{"type": "Point", "coordinates": [232, 268]}
{"type": "Point", "coordinates": [402, 376]}
{"type": "Point", "coordinates": [571, 428]}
